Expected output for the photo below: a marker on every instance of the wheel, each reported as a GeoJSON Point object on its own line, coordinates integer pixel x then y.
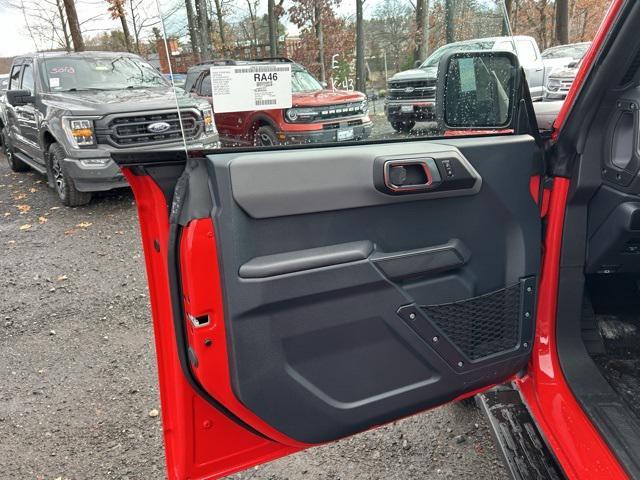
{"type": "Point", "coordinates": [403, 126]}
{"type": "Point", "coordinates": [15, 164]}
{"type": "Point", "coordinates": [265, 136]}
{"type": "Point", "coordinates": [67, 191]}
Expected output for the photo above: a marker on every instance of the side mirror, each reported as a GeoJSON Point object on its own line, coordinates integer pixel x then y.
{"type": "Point", "coordinates": [417, 64]}
{"type": "Point", "coordinates": [324, 84]}
{"type": "Point", "coordinates": [18, 98]}
{"type": "Point", "coordinates": [573, 64]}
{"type": "Point", "coordinates": [477, 90]}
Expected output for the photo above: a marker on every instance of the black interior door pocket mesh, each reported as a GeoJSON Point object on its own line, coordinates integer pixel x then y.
{"type": "Point", "coordinates": [482, 326]}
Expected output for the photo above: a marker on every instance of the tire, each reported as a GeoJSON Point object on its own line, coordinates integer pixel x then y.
{"type": "Point", "coordinates": [63, 184]}
{"type": "Point", "coordinates": [404, 126]}
{"type": "Point", "coordinates": [265, 136]}
{"type": "Point", "coordinates": [15, 164]}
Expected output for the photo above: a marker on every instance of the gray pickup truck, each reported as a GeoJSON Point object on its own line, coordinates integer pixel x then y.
{"type": "Point", "coordinates": [64, 114]}
{"type": "Point", "coordinates": [411, 94]}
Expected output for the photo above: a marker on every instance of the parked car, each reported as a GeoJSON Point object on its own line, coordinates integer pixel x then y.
{"type": "Point", "coordinates": [561, 64]}
{"type": "Point", "coordinates": [178, 79]}
{"type": "Point", "coordinates": [411, 93]}
{"type": "Point", "coordinates": [65, 114]}
{"type": "Point", "coordinates": [318, 114]}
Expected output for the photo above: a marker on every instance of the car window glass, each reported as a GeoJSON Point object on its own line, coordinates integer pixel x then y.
{"type": "Point", "coordinates": [27, 79]}
{"type": "Point", "coordinates": [526, 52]}
{"type": "Point", "coordinates": [14, 80]}
{"type": "Point", "coordinates": [205, 86]}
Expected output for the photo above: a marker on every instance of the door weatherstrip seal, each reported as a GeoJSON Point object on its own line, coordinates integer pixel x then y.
{"type": "Point", "coordinates": [175, 287]}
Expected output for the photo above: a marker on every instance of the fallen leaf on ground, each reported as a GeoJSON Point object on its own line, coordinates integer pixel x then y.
{"type": "Point", "coordinates": [23, 208]}
{"type": "Point", "coordinates": [21, 196]}
{"type": "Point", "coordinates": [62, 277]}
{"type": "Point", "coordinates": [42, 220]}
{"type": "Point", "coordinates": [154, 412]}
{"type": "Point", "coordinates": [26, 226]}
{"type": "Point", "coordinates": [32, 190]}
{"type": "Point", "coordinates": [84, 224]}
{"type": "Point", "coordinates": [71, 231]}
{"type": "Point", "coordinates": [54, 208]}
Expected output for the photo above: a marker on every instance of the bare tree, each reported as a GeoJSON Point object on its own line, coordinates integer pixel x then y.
{"type": "Point", "coordinates": [74, 25]}
{"type": "Point", "coordinates": [273, 27]}
{"type": "Point", "coordinates": [203, 28]}
{"type": "Point", "coordinates": [422, 29]}
{"type": "Point", "coordinates": [192, 23]}
{"type": "Point", "coordinates": [562, 22]}
{"type": "Point", "coordinates": [117, 11]}
{"type": "Point", "coordinates": [220, 17]}
{"type": "Point", "coordinates": [449, 6]}
{"type": "Point", "coordinates": [361, 82]}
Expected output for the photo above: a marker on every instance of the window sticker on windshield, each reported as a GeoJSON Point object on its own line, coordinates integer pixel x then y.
{"type": "Point", "coordinates": [54, 82]}
{"type": "Point", "coordinates": [242, 88]}
{"type": "Point", "coordinates": [62, 69]}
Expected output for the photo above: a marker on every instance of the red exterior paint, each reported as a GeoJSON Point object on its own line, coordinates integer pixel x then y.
{"type": "Point", "coordinates": [192, 427]}
{"type": "Point", "coordinates": [577, 444]}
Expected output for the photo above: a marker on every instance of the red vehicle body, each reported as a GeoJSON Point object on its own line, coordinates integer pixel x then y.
{"type": "Point", "coordinates": [213, 425]}
{"type": "Point", "coordinates": [321, 116]}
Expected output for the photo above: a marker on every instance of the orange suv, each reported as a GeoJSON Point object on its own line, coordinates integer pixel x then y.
{"type": "Point", "coordinates": [317, 115]}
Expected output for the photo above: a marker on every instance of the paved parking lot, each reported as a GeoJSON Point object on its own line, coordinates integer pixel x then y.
{"type": "Point", "coordinates": [77, 369]}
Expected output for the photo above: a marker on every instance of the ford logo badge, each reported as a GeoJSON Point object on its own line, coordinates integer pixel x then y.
{"type": "Point", "coordinates": [158, 127]}
{"type": "Point", "coordinates": [409, 90]}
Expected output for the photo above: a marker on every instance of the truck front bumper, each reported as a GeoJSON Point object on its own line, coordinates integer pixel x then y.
{"type": "Point", "coordinates": [93, 170]}
{"type": "Point", "coordinates": [410, 110]}
{"type": "Point", "coordinates": [329, 135]}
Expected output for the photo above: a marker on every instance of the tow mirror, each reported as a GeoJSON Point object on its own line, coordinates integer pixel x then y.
{"type": "Point", "coordinates": [477, 90]}
{"type": "Point", "coordinates": [19, 98]}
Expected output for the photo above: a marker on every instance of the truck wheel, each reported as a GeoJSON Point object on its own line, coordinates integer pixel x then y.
{"type": "Point", "coordinates": [404, 126]}
{"type": "Point", "coordinates": [265, 136]}
{"type": "Point", "coordinates": [15, 164]}
{"type": "Point", "coordinates": [69, 195]}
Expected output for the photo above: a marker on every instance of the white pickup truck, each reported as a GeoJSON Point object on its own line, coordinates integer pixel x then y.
{"type": "Point", "coordinates": [411, 93]}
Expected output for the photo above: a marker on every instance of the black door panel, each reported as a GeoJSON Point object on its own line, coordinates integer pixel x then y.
{"type": "Point", "coordinates": [319, 283]}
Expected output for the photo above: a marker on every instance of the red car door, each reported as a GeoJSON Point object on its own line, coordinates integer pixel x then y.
{"type": "Point", "coordinates": [297, 299]}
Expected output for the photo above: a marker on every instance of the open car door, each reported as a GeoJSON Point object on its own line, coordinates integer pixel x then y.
{"type": "Point", "coordinates": [301, 295]}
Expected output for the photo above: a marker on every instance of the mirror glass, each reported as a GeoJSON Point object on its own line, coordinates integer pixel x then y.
{"type": "Point", "coordinates": [479, 90]}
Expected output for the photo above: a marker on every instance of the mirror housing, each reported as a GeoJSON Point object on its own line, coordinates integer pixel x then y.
{"type": "Point", "coordinates": [573, 64]}
{"type": "Point", "coordinates": [417, 64]}
{"type": "Point", "coordinates": [19, 98]}
{"type": "Point", "coordinates": [478, 90]}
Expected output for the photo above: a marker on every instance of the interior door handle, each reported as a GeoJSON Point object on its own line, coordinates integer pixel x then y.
{"type": "Point", "coordinates": [411, 175]}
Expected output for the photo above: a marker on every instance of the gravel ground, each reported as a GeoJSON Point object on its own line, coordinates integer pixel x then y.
{"type": "Point", "coordinates": [77, 366]}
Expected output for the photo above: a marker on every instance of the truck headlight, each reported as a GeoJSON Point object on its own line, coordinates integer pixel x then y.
{"type": "Point", "coordinates": [208, 119]}
{"type": "Point", "coordinates": [554, 85]}
{"type": "Point", "coordinates": [80, 132]}
{"type": "Point", "coordinates": [300, 114]}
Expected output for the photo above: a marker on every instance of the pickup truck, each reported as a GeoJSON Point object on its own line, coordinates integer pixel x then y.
{"type": "Point", "coordinates": [63, 115]}
{"type": "Point", "coordinates": [411, 93]}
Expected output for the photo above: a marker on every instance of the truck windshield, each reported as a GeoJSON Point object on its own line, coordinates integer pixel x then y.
{"type": "Point", "coordinates": [100, 73]}
{"type": "Point", "coordinates": [303, 81]}
{"type": "Point", "coordinates": [434, 58]}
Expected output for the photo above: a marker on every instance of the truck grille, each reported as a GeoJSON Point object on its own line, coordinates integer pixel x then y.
{"type": "Point", "coordinates": [133, 130]}
{"type": "Point", "coordinates": [329, 112]}
{"type": "Point", "coordinates": [412, 89]}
